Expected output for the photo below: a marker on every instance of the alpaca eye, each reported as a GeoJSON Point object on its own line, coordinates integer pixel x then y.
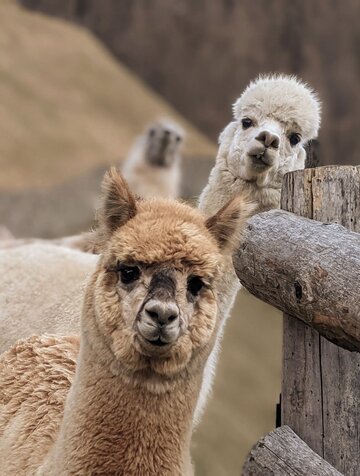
{"type": "Point", "coordinates": [178, 138]}
{"type": "Point", "coordinates": [294, 138]}
{"type": "Point", "coordinates": [151, 132]}
{"type": "Point", "coordinates": [246, 123]}
{"type": "Point", "coordinates": [128, 274]}
{"type": "Point", "coordinates": [195, 284]}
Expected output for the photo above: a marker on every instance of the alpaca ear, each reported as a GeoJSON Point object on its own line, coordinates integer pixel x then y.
{"type": "Point", "coordinates": [226, 137]}
{"type": "Point", "coordinates": [301, 158]}
{"type": "Point", "coordinates": [229, 222]}
{"type": "Point", "coordinates": [119, 204]}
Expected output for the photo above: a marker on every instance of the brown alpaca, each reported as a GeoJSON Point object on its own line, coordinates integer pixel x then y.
{"type": "Point", "coordinates": [148, 325]}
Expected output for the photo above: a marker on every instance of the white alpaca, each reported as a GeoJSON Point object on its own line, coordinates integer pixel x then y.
{"type": "Point", "coordinates": [153, 167]}
{"type": "Point", "coordinates": [148, 324]}
{"type": "Point", "coordinates": [274, 118]}
{"type": "Point", "coordinates": [41, 290]}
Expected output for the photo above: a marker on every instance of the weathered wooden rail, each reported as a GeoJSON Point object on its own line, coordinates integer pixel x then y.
{"type": "Point", "coordinates": [307, 269]}
{"type": "Point", "coordinates": [311, 271]}
{"type": "Point", "coordinates": [283, 453]}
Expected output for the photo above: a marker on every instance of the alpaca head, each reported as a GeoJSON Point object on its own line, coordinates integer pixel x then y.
{"type": "Point", "coordinates": [163, 141]}
{"type": "Point", "coordinates": [154, 292]}
{"type": "Point", "coordinates": [273, 119]}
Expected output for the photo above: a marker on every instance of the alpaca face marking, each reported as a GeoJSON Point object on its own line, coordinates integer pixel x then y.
{"type": "Point", "coordinates": [163, 144]}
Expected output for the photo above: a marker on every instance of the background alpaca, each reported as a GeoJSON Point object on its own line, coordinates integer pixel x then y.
{"type": "Point", "coordinates": [148, 324]}
{"type": "Point", "coordinates": [152, 169]}
{"type": "Point", "coordinates": [274, 119]}
{"type": "Point", "coordinates": [153, 166]}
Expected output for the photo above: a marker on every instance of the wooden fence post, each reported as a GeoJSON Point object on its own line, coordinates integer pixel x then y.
{"type": "Point", "coordinates": [321, 381]}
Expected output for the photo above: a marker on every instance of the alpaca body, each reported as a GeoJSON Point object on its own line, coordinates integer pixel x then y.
{"type": "Point", "coordinates": [274, 118]}
{"type": "Point", "coordinates": [120, 417]}
{"type": "Point", "coordinates": [148, 324]}
{"type": "Point", "coordinates": [42, 290]}
{"type": "Point", "coordinates": [35, 376]}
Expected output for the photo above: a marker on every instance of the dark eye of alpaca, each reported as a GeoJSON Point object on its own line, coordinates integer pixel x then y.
{"type": "Point", "coordinates": [178, 138]}
{"type": "Point", "coordinates": [246, 123]}
{"type": "Point", "coordinates": [151, 132]}
{"type": "Point", "coordinates": [128, 274]}
{"type": "Point", "coordinates": [194, 285]}
{"type": "Point", "coordinates": [294, 138]}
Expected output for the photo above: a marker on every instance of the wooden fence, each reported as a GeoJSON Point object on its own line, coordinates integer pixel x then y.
{"type": "Point", "coordinates": [311, 271]}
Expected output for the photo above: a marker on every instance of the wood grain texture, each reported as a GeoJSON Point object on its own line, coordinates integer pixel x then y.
{"type": "Point", "coordinates": [327, 376]}
{"type": "Point", "coordinates": [282, 453]}
{"type": "Point", "coordinates": [307, 269]}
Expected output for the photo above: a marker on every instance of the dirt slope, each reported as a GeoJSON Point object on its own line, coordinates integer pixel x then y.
{"type": "Point", "coordinates": [66, 104]}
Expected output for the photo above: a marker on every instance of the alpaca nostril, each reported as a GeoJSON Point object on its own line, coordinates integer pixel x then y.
{"type": "Point", "coordinates": [162, 312]}
{"type": "Point", "coordinates": [268, 139]}
{"type": "Point", "coordinates": [275, 143]}
{"type": "Point", "coordinates": [152, 314]}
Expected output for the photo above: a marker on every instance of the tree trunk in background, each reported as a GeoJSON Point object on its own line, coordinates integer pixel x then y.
{"type": "Point", "coordinates": [200, 54]}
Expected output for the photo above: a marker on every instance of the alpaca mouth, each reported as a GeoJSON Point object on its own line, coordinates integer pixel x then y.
{"type": "Point", "coordinates": [160, 159]}
{"type": "Point", "coordinates": [158, 342]}
{"type": "Point", "coordinates": [261, 160]}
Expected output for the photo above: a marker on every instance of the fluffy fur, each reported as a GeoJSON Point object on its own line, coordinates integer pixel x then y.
{"type": "Point", "coordinates": [280, 105]}
{"type": "Point", "coordinates": [254, 160]}
{"type": "Point", "coordinates": [128, 410]}
{"type": "Point", "coordinates": [153, 167]}
{"type": "Point", "coordinates": [42, 290]}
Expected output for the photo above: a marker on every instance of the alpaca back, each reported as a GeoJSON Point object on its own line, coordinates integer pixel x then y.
{"type": "Point", "coordinates": [36, 376]}
{"type": "Point", "coordinates": [41, 290]}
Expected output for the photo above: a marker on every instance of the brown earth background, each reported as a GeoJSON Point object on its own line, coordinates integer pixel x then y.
{"type": "Point", "coordinates": [74, 94]}
{"type": "Point", "coordinates": [200, 54]}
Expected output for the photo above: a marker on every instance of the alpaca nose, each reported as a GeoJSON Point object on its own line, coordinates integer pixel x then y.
{"type": "Point", "coordinates": [269, 139]}
{"type": "Point", "coordinates": [162, 312]}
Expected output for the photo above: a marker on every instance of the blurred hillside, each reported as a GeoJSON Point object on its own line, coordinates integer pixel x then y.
{"type": "Point", "coordinates": [67, 110]}
{"type": "Point", "coordinates": [201, 54]}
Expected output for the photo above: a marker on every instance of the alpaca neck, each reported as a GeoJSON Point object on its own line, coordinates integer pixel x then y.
{"type": "Point", "coordinates": [223, 186]}
{"type": "Point", "coordinates": [111, 426]}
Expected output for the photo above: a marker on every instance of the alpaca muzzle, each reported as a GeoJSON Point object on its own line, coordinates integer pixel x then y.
{"type": "Point", "coordinates": [159, 322]}
{"type": "Point", "coordinates": [262, 157]}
